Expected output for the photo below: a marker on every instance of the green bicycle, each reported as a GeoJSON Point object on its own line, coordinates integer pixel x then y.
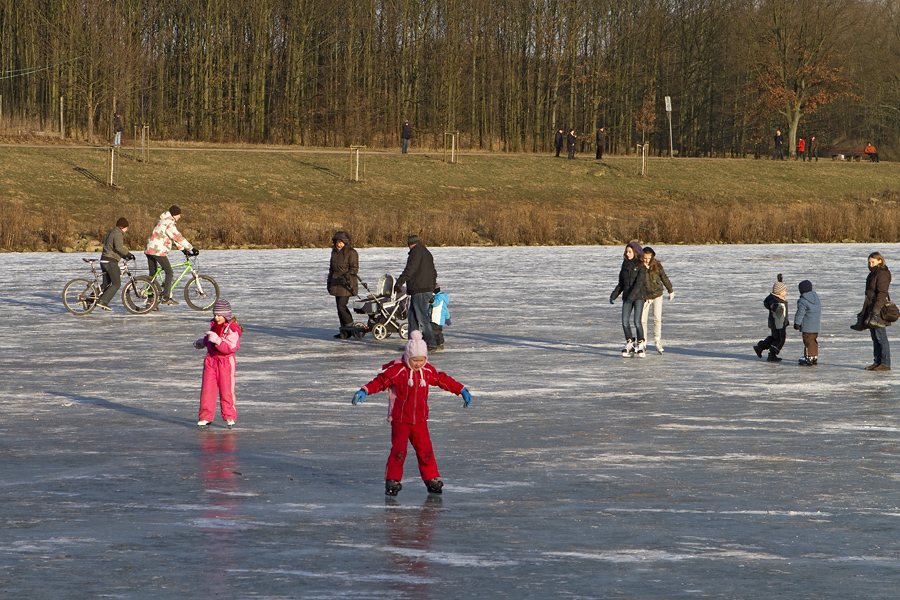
{"type": "Point", "coordinates": [200, 293]}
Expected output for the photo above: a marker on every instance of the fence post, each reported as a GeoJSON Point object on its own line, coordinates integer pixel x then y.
{"type": "Point", "coordinates": [111, 181]}
{"type": "Point", "coordinates": [354, 164]}
{"type": "Point", "coordinates": [453, 147]}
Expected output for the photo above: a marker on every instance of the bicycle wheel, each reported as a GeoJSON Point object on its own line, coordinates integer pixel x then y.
{"type": "Point", "coordinates": [201, 292]}
{"type": "Point", "coordinates": [141, 297]}
{"type": "Point", "coordinates": [80, 296]}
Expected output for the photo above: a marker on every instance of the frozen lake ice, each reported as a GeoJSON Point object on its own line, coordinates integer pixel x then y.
{"type": "Point", "coordinates": [701, 473]}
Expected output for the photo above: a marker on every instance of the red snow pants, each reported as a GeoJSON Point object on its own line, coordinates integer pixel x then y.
{"type": "Point", "coordinates": [218, 380]}
{"type": "Point", "coordinates": [403, 433]}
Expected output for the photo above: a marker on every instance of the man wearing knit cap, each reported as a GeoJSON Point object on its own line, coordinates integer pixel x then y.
{"type": "Point", "coordinates": [113, 251]}
{"type": "Point", "coordinates": [160, 244]}
{"type": "Point", "coordinates": [420, 278]}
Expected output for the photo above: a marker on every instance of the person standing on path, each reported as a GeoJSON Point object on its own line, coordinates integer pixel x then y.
{"type": "Point", "coordinates": [113, 250]}
{"type": "Point", "coordinates": [343, 278]}
{"type": "Point", "coordinates": [221, 342]}
{"type": "Point", "coordinates": [779, 145]}
{"type": "Point", "coordinates": [653, 291]}
{"type": "Point", "coordinates": [117, 128]}
{"type": "Point", "coordinates": [601, 143]}
{"type": "Point", "coordinates": [570, 143]}
{"type": "Point", "coordinates": [632, 276]}
{"type": "Point", "coordinates": [160, 244]}
{"type": "Point", "coordinates": [405, 136]}
{"type": "Point", "coordinates": [420, 278]}
{"type": "Point", "coordinates": [801, 150]}
{"type": "Point", "coordinates": [559, 140]}
{"type": "Point", "coordinates": [813, 149]}
{"type": "Point", "coordinates": [878, 285]}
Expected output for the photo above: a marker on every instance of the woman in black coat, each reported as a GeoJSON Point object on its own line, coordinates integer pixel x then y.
{"type": "Point", "coordinates": [631, 287]}
{"type": "Point", "coordinates": [343, 277]}
{"type": "Point", "coordinates": [877, 284]}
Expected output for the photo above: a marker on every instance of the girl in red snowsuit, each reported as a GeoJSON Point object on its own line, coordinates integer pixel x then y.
{"type": "Point", "coordinates": [221, 342]}
{"type": "Point", "coordinates": [407, 380]}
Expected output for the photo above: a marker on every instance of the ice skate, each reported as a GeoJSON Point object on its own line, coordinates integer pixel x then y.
{"type": "Point", "coordinates": [434, 486]}
{"type": "Point", "coordinates": [392, 487]}
{"type": "Point", "coordinates": [230, 423]}
{"type": "Point", "coordinates": [659, 347]}
{"type": "Point", "coordinates": [203, 424]}
{"type": "Point", "coordinates": [641, 349]}
{"type": "Point", "coordinates": [628, 350]}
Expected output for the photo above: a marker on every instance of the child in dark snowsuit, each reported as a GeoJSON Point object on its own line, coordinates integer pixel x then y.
{"type": "Point", "coordinates": [776, 304]}
{"type": "Point", "coordinates": [407, 380]}
{"type": "Point", "coordinates": [808, 321]}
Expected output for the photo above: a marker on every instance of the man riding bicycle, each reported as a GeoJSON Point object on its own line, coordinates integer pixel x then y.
{"type": "Point", "coordinates": [113, 250]}
{"type": "Point", "coordinates": [160, 244]}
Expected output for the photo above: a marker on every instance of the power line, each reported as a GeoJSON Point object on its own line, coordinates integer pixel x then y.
{"type": "Point", "coordinates": [12, 74]}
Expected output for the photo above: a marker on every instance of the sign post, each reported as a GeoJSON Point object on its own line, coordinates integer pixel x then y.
{"type": "Point", "coordinates": [669, 112]}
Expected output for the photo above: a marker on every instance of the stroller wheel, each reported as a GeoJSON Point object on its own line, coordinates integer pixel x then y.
{"type": "Point", "coordinates": [404, 331]}
{"type": "Point", "coordinates": [379, 331]}
{"type": "Point", "coordinates": [359, 331]}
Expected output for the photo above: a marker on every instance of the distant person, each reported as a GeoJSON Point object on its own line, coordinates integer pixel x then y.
{"type": "Point", "coordinates": [405, 136]}
{"type": "Point", "coordinates": [113, 250]}
{"type": "Point", "coordinates": [221, 342]}
{"type": "Point", "coordinates": [420, 278]}
{"type": "Point", "coordinates": [656, 280]}
{"type": "Point", "coordinates": [343, 272]}
{"type": "Point", "coordinates": [160, 244]}
{"type": "Point", "coordinates": [878, 285]}
{"type": "Point", "coordinates": [813, 149]}
{"type": "Point", "coordinates": [407, 380]}
{"type": "Point", "coordinates": [117, 128]}
{"type": "Point", "coordinates": [601, 143]}
{"type": "Point", "coordinates": [779, 145]}
{"type": "Point", "coordinates": [632, 276]}
{"type": "Point", "coordinates": [808, 320]}
{"type": "Point", "coordinates": [801, 150]}
{"type": "Point", "coordinates": [776, 304]}
{"type": "Point", "coordinates": [570, 143]}
{"type": "Point", "coordinates": [559, 140]}
{"type": "Point", "coordinates": [871, 152]}
{"type": "Point", "coordinates": [440, 315]}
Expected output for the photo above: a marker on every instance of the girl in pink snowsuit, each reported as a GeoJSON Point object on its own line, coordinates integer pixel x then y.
{"type": "Point", "coordinates": [221, 342]}
{"type": "Point", "coordinates": [407, 380]}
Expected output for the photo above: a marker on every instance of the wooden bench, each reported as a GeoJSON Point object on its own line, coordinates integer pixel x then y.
{"type": "Point", "coordinates": [837, 153]}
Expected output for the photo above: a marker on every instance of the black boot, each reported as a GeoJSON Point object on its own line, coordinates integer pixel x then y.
{"type": "Point", "coordinates": [434, 486]}
{"type": "Point", "coordinates": [392, 487]}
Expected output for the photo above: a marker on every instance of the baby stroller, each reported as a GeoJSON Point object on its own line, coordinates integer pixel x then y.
{"type": "Point", "coordinates": [385, 310]}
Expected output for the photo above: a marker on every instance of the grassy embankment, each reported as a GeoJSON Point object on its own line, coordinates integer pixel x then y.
{"type": "Point", "coordinates": [54, 198]}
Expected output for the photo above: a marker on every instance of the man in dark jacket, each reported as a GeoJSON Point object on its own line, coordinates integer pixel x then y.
{"type": "Point", "coordinates": [342, 278]}
{"type": "Point", "coordinates": [779, 145]}
{"type": "Point", "coordinates": [420, 278]}
{"type": "Point", "coordinates": [570, 143]}
{"type": "Point", "coordinates": [558, 141]}
{"type": "Point", "coordinates": [117, 129]}
{"type": "Point", "coordinates": [813, 148]}
{"type": "Point", "coordinates": [113, 250]}
{"type": "Point", "coordinates": [405, 136]}
{"type": "Point", "coordinates": [601, 143]}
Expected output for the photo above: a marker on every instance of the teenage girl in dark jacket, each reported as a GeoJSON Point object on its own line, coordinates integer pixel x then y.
{"type": "Point", "coordinates": [877, 284]}
{"type": "Point", "coordinates": [631, 287]}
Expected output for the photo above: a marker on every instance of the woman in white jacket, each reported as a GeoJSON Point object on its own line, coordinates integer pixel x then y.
{"type": "Point", "coordinates": [160, 244]}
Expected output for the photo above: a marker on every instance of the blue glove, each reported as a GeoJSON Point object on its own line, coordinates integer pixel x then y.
{"type": "Point", "coordinates": [612, 300]}
{"type": "Point", "coordinates": [467, 397]}
{"type": "Point", "coordinates": [359, 397]}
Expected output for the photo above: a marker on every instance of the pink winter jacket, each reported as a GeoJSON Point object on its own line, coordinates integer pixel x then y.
{"type": "Point", "coordinates": [408, 403]}
{"type": "Point", "coordinates": [229, 340]}
{"type": "Point", "coordinates": [165, 232]}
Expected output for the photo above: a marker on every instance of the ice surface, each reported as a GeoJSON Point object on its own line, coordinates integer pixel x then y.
{"type": "Point", "coordinates": [701, 473]}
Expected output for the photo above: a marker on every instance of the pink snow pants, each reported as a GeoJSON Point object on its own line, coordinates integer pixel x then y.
{"type": "Point", "coordinates": [218, 380]}
{"type": "Point", "coordinates": [401, 435]}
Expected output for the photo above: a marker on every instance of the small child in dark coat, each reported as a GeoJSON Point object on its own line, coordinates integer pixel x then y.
{"type": "Point", "coordinates": [776, 304]}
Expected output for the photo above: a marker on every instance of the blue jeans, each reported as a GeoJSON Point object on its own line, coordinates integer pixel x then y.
{"type": "Point", "coordinates": [405, 145]}
{"type": "Point", "coordinates": [636, 307]}
{"type": "Point", "coordinates": [779, 152]}
{"type": "Point", "coordinates": [881, 346]}
{"type": "Point", "coordinates": [418, 317]}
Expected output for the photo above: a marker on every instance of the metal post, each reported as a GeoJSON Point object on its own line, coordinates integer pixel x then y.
{"type": "Point", "coordinates": [453, 147]}
{"type": "Point", "coordinates": [354, 163]}
{"type": "Point", "coordinates": [669, 112]}
{"type": "Point", "coordinates": [112, 166]}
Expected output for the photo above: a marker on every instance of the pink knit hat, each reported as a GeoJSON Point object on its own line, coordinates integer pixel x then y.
{"type": "Point", "coordinates": [416, 345]}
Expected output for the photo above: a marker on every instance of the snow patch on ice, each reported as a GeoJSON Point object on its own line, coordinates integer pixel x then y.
{"type": "Point", "coordinates": [445, 558]}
